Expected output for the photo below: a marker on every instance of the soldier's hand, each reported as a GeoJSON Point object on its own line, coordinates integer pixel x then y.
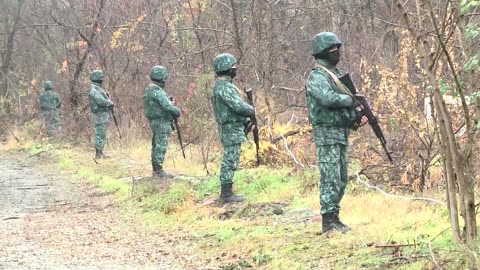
{"type": "Point", "coordinates": [363, 121]}
{"type": "Point", "coordinates": [110, 106]}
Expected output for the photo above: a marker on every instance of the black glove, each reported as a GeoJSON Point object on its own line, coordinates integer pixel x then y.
{"type": "Point", "coordinates": [248, 126]}
{"type": "Point", "coordinates": [110, 107]}
{"type": "Point", "coordinates": [357, 120]}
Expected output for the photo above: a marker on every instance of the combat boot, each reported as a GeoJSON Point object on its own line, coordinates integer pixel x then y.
{"type": "Point", "coordinates": [158, 172]}
{"type": "Point", "coordinates": [164, 174]}
{"type": "Point", "coordinates": [339, 225]}
{"type": "Point", "coordinates": [327, 222]}
{"type": "Point", "coordinates": [99, 154]}
{"type": "Point", "coordinates": [227, 195]}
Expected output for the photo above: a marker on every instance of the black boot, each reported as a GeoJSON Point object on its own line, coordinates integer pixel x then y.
{"type": "Point", "coordinates": [158, 172]}
{"type": "Point", "coordinates": [98, 153]}
{"type": "Point", "coordinates": [331, 221]}
{"type": "Point", "coordinates": [327, 222]}
{"type": "Point", "coordinates": [227, 195]}
{"type": "Point", "coordinates": [340, 226]}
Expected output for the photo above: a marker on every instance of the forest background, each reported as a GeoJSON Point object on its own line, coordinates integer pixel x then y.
{"type": "Point", "coordinates": [415, 61]}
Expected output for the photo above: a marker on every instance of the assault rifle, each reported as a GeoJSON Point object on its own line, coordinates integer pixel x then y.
{"type": "Point", "coordinates": [372, 120]}
{"type": "Point", "coordinates": [253, 120]}
{"type": "Point", "coordinates": [116, 123]}
{"type": "Point", "coordinates": [176, 127]}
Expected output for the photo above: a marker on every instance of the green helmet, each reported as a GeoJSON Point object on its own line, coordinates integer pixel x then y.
{"type": "Point", "coordinates": [96, 75]}
{"type": "Point", "coordinates": [223, 62]}
{"type": "Point", "coordinates": [324, 40]}
{"type": "Point", "coordinates": [48, 85]}
{"type": "Point", "coordinates": [158, 73]}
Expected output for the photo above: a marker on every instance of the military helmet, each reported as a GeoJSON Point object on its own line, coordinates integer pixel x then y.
{"type": "Point", "coordinates": [223, 62]}
{"type": "Point", "coordinates": [48, 85]}
{"type": "Point", "coordinates": [158, 73]}
{"type": "Point", "coordinates": [96, 75]}
{"type": "Point", "coordinates": [324, 40]}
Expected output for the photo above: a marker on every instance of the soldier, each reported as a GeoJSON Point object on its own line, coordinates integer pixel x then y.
{"type": "Point", "coordinates": [160, 112]}
{"type": "Point", "coordinates": [232, 116]}
{"type": "Point", "coordinates": [100, 105]}
{"type": "Point", "coordinates": [49, 104]}
{"type": "Point", "coordinates": [331, 111]}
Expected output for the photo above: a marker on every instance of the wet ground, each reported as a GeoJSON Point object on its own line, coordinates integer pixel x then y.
{"type": "Point", "coordinates": [48, 221]}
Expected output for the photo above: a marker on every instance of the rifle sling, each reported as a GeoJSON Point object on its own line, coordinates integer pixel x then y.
{"type": "Point", "coordinates": [339, 84]}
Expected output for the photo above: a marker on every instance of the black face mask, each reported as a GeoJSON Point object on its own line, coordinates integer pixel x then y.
{"type": "Point", "coordinates": [233, 72]}
{"type": "Point", "coordinates": [332, 57]}
{"type": "Point", "coordinates": [160, 83]}
{"type": "Point", "coordinates": [99, 82]}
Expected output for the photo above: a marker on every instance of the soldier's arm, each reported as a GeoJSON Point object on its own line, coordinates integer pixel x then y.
{"type": "Point", "coordinates": [319, 87]}
{"type": "Point", "coordinates": [231, 98]}
{"type": "Point", "coordinates": [100, 100]}
{"type": "Point", "coordinates": [164, 102]}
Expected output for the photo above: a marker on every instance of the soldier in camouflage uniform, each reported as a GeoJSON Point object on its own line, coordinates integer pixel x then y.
{"type": "Point", "coordinates": [331, 111]}
{"type": "Point", "coordinates": [49, 104]}
{"type": "Point", "coordinates": [100, 105]}
{"type": "Point", "coordinates": [160, 112]}
{"type": "Point", "coordinates": [232, 116]}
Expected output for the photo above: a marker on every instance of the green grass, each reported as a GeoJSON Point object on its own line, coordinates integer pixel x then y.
{"type": "Point", "coordinates": [267, 241]}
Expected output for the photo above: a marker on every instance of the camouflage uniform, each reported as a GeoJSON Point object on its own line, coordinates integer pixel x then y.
{"type": "Point", "coordinates": [160, 113]}
{"type": "Point", "coordinates": [331, 113]}
{"type": "Point", "coordinates": [231, 115]}
{"type": "Point", "coordinates": [100, 106]}
{"type": "Point", "coordinates": [49, 104]}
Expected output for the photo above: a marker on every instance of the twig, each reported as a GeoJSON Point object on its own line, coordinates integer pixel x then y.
{"type": "Point", "coordinates": [433, 255]}
{"type": "Point", "coordinates": [292, 154]}
{"type": "Point", "coordinates": [395, 196]}
{"type": "Point", "coordinates": [395, 245]}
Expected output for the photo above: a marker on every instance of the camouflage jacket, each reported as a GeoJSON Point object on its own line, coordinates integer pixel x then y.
{"type": "Point", "coordinates": [330, 111]}
{"type": "Point", "coordinates": [157, 107]}
{"type": "Point", "coordinates": [49, 100]}
{"type": "Point", "coordinates": [99, 104]}
{"type": "Point", "coordinates": [231, 113]}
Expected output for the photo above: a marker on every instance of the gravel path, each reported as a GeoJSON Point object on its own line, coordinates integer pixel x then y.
{"type": "Point", "coordinates": [48, 222]}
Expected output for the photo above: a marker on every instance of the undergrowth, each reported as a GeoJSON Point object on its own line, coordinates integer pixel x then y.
{"type": "Point", "coordinates": [277, 227]}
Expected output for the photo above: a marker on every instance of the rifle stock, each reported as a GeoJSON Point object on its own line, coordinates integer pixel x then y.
{"type": "Point", "coordinates": [253, 119]}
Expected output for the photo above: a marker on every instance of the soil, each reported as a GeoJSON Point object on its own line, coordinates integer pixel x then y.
{"type": "Point", "coordinates": [48, 221]}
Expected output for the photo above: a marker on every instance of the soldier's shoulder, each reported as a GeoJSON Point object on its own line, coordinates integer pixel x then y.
{"type": "Point", "coordinates": [317, 74]}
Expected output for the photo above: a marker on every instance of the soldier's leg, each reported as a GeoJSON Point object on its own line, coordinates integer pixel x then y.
{"type": "Point", "coordinates": [159, 149]}
{"type": "Point", "coordinates": [332, 187]}
{"type": "Point", "coordinates": [343, 181]}
{"type": "Point", "coordinates": [230, 160]}
{"type": "Point", "coordinates": [329, 165]}
{"type": "Point", "coordinates": [57, 124]}
{"type": "Point", "coordinates": [100, 139]}
{"type": "Point", "coordinates": [48, 122]}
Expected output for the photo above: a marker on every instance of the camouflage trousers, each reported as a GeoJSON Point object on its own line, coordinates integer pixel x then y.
{"type": "Point", "coordinates": [159, 142]}
{"type": "Point", "coordinates": [159, 147]}
{"type": "Point", "coordinates": [333, 165]}
{"type": "Point", "coordinates": [230, 160]}
{"type": "Point", "coordinates": [100, 136]}
{"type": "Point", "coordinates": [52, 122]}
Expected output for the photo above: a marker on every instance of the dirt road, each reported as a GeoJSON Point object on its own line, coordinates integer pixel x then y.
{"type": "Point", "coordinates": [50, 222]}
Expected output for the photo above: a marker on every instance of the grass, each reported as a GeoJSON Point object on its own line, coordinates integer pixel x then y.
{"type": "Point", "coordinates": [253, 236]}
